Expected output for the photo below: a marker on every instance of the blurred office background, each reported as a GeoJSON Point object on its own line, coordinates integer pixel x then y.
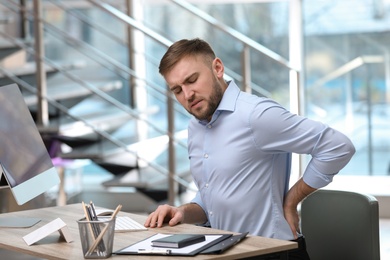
{"type": "Point", "coordinates": [117, 134]}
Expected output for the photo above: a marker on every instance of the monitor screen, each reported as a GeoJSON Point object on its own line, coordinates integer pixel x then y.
{"type": "Point", "coordinates": [24, 161]}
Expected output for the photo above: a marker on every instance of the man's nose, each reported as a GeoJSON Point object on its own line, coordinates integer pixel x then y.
{"type": "Point", "coordinates": [188, 93]}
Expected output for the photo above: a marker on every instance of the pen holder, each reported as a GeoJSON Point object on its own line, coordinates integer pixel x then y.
{"type": "Point", "coordinates": [97, 237]}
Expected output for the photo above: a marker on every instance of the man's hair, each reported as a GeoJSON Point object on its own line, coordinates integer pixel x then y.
{"type": "Point", "coordinates": [185, 48]}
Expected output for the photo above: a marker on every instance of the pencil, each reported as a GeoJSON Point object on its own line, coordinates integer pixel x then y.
{"type": "Point", "coordinates": [99, 238]}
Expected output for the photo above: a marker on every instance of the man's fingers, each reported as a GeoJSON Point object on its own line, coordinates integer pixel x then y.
{"type": "Point", "coordinates": [157, 218]}
{"type": "Point", "coordinates": [174, 221]}
{"type": "Point", "coordinates": [152, 220]}
{"type": "Point", "coordinates": [149, 221]}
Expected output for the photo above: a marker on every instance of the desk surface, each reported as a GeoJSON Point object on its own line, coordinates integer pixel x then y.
{"type": "Point", "coordinates": [53, 247]}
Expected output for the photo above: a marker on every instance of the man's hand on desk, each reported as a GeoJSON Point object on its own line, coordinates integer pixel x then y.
{"type": "Point", "coordinates": [187, 213]}
{"type": "Point", "coordinates": [164, 213]}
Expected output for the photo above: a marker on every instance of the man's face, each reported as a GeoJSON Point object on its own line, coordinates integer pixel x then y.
{"type": "Point", "coordinates": [196, 85]}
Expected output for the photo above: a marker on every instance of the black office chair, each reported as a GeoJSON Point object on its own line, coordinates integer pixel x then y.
{"type": "Point", "coordinates": [341, 225]}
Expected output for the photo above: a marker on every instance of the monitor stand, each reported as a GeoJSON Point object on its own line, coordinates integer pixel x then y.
{"type": "Point", "coordinates": [12, 222]}
{"type": "Point", "coordinates": [18, 222]}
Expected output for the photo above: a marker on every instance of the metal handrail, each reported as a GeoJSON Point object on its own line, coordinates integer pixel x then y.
{"type": "Point", "coordinates": [165, 42]}
{"type": "Point", "coordinates": [133, 23]}
{"type": "Point", "coordinates": [348, 67]}
{"type": "Point", "coordinates": [85, 20]}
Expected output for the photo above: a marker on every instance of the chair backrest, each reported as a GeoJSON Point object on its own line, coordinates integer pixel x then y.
{"type": "Point", "coordinates": [341, 225]}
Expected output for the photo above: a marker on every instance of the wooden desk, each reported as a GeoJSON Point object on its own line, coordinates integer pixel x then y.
{"type": "Point", "coordinates": [52, 247]}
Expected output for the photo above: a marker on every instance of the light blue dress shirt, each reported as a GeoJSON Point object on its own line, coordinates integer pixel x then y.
{"type": "Point", "coordinates": [240, 161]}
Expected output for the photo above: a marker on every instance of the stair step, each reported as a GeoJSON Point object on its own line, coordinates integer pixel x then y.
{"type": "Point", "coordinates": [70, 91]}
{"type": "Point", "coordinates": [131, 201]}
{"type": "Point", "coordinates": [69, 95]}
{"type": "Point", "coordinates": [29, 68]}
{"type": "Point", "coordinates": [120, 162]}
{"type": "Point", "coordinates": [115, 169]}
{"type": "Point", "coordinates": [5, 19]}
{"type": "Point", "coordinates": [122, 127]}
{"type": "Point", "coordinates": [103, 116]}
{"type": "Point", "coordinates": [145, 178]}
{"type": "Point", "coordinates": [7, 48]}
{"type": "Point", "coordinates": [150, 151]}
{"type": "Point", "coordinates": [148, 181]}
{"type": "Point", "coordinates": [28, 72]}
{"type": "Point", "coordinates": [153, 150]}
{"type": "Point", "coordinates": [95, 151]}
{"type": "Point", "coordinates": [123, 159]}
{"type": "Point", "coordinates": [100, 115]}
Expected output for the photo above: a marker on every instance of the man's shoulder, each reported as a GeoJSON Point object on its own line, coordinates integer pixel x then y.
{"type": "Point", "coordinates": [250, 99]}
{"type": "Point", "coordinates": [246, 98]}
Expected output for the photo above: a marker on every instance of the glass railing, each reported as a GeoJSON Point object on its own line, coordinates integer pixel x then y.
{"type": "Point", "coordinates": [347, 79]}
{"type": "Point", "coordinates": [364, 121]}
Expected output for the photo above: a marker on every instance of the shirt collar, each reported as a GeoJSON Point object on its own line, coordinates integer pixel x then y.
{"type": "Point", "coordinates": [228, 102]}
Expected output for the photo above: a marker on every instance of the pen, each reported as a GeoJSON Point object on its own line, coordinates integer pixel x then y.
{"type": "Point", "coordinates": [96, 227]}
{"type": "Point", "coordinates": [92, 206]}
{"type": "Point", "coordinates": [155, 251]}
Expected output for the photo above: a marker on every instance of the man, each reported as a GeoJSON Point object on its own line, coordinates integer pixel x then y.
{"type": "Point", "coordinates": [240, 149]}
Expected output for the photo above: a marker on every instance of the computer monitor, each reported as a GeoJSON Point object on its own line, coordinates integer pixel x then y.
{"type": "Point", "coordinates": [25, 165]}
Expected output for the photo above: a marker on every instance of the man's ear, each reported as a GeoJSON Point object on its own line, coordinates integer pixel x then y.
{"type": "Point", "coordinates": [218, 67]}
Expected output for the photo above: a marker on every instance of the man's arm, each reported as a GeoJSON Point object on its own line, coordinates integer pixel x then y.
{"type": "Point", "coordinates": [330, 150]}
{"type": "Point", "coordinates": [194, 214]}
{"type": "Point", "coordinates": [296, 194]}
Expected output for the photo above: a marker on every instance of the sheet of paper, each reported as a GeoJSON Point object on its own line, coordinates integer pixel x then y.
{"type": "Point", "coordinates": [147, 244]}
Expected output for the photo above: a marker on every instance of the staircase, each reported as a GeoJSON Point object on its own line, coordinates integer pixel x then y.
{"type": "Point", "coordinates": [90, 114]}
{"type": "Point", "coordinates": [105, 105]}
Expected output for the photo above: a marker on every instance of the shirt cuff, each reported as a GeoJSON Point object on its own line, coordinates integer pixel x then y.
{"type": "Point", "coordinates": [316, 179]}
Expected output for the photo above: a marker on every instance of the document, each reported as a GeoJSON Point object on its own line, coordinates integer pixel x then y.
{"type": "Point", "coordinates": [145, 246]}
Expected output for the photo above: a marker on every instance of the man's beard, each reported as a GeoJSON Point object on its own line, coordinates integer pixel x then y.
{"type": "Point", "coordinates": [212, 103]}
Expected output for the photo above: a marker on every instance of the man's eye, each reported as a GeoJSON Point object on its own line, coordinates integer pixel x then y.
{"type": "Point", "coordinates": [192, 80]}
{"type": "Point", "coordinates": [176, 91]}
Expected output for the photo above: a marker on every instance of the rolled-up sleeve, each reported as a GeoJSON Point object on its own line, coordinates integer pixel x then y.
{"type": "Point", "coordinates": [198, 200]}
{"type": "Point", "coordinates": [331, 153]}
{"type": "Point", "coordinates": [278, 130]}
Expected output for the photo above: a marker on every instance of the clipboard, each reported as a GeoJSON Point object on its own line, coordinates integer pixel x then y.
{"type": "Point", "coordinates": [222, 246]}
{"type": "Point", "coordinates": [144, 247]}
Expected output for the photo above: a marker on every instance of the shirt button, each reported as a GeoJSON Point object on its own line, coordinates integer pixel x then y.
{"type": "Point", "coordinates": [207, 185]}
{"type": "Point", "coordinates": [209, 126]}
{"type": "Point", "coordinates": [206, 155]}
{"type": "Point", "coordinates": [210, 213]}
